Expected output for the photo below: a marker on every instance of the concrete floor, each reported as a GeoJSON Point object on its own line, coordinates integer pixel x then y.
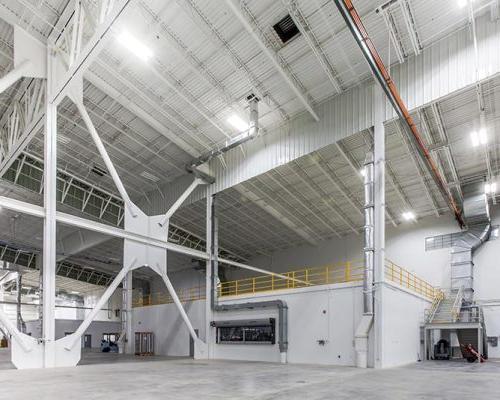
{"type": "Point", "coordinates": [187, 379]}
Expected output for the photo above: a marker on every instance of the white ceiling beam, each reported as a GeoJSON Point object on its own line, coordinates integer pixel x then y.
{"type": "Point", "coordinates": [313, 42]}
{"type": "Point", "coordinates": [420, 169]}
{"type": "Point", "coordinates": [276, 214]}
{"type": "Point", "coordinates": [394, 35]}
{"type": "Point", "coordinates": [308, 207]}
{"type": "Point", "coordinates": [336, 182]}
{"type": "Point", "coordinates": [327, 199]}
{"type": "Point", "coordinates": [90, 52]}
{"type": "Point", "coordinates": [277, 61]}
{"type": "Point", "coordinates": [194, 13]}
{"type": "Point", "coordinates": [131, 106]}
{"type": "Point", "coordinates": [444, 139]}
{"type": "Point", "coordinates": [407, 13]}
{"type": "Point", "coordinates": [189, 57]}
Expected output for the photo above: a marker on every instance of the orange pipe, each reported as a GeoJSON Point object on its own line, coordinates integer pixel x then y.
{"type": "Point", "coordinates": [402, 107]}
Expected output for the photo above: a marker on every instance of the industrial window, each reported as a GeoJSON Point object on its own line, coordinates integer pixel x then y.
{"type": "Point", "coordinates": [248, 331]}
{"type": "Point", "coordinates": [286, 29]}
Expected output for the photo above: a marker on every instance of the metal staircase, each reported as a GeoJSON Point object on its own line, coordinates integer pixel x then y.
{"type": "Point", "coordinates": [446, 307]}
{"type": "Point", "coordinates": [452, 311]}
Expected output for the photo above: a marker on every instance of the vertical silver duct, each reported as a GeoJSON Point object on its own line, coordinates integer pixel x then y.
{"type": "Point", "coordinates": [369, 245]}
{"type": "Point", "coordinates": [363, 329]}
{"type": "Point", "coordinates": [477, 217]}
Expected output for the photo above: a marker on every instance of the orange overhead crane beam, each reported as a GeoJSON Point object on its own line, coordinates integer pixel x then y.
{"type": "Point", "coordinates": [355, 25]}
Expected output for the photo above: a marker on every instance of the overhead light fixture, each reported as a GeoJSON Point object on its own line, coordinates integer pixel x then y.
{"type": "Point", "coordinates": [238, 123]}
{"type": "Point", "coordinates": [408, 216]}
{"type": "Point", "coordinates": [479, 137]}
{"type": "Point", "coordinates": [463, 3]}
{"type": "Point", "coordinates": [135, 46]}
{"type": "Point", "coordinates": [490, 188]}
{"type": "Point", "coordinates": [362, 171]}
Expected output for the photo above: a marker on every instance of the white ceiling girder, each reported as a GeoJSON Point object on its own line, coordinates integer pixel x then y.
{"type": "Point", "coordinates": [276, 214]}
{"type": "Point", "coordinates": [130, 105]}
{"type": "Point", "coordinates": [327, 199]}
{"type": "Point", "coordinates": [301, 22]}
{"type": "Point", "coordinates": [89, 53]}
{"type": "Point", "coordinates": [277, 62]}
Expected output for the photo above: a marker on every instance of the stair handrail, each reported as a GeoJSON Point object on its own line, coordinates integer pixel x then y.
{"type": "Point", "coordinates": [457, 305]}
{"type": "Point", "coordinates": [438, 297]}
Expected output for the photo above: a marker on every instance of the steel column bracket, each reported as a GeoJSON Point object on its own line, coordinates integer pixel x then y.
{"type": "Point", "coordinates": [30, 59]}
{"type": "Point", "coordinates": [75, 93]}
{"type": "Point", "coordinates": [27, 48]}
{"type": "Point", "coordinates": [148, 255]}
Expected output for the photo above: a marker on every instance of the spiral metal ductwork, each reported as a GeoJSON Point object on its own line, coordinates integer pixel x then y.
{"type": "Point", "coordinates": [477, 217]}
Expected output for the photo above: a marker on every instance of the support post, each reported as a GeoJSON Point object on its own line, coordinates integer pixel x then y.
{"type": "Point", "coordinates": [13, 76]}
{"type": "Point", "coordinates": [49, 225]}
{"type": "Point", "coordinates": [178, 303]}
{"type": "Point", "coordinates": [180, 200]}
{"type": "Point", "coordinates": [126, 314]}
{"type": "Point", "coordinates": [104, 154]}
{"type": "Point", "coordinates": [209, 330]}
{"type": "Point", "coordinates": [379, 221]}
{"type": "Point", "coordinates": [19, 287]}
{"type": "Point", "coordinates": [75, 338]}
{"type": "Point", "coordinates": [39, 265]}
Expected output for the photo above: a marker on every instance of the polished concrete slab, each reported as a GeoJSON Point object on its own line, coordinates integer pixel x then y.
{"type": "Point", "coordinates": [188, 379]}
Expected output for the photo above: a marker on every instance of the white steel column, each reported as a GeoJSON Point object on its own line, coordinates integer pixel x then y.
{"type": "Point", "coordinates": [209, 340]}
{"type": "Point", "coordinates": [49, 226]}
{"type": "Point", "coordinates": [379, 229]}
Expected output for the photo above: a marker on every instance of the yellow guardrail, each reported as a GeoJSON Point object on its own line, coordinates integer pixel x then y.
{"type": "Point", "coordinates": [408, 280]}
{"type": "Point", "coordinates": [185, 295]}
{"type": "Point", "coordinates": [328, 274]}
{"type": "Point", "coordinates": [333, 273]}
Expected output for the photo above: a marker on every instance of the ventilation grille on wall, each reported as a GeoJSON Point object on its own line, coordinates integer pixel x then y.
{"type": "Point", "coordinates": [286, 29]}
{"type": "Point", "coordinates": [98, 170]}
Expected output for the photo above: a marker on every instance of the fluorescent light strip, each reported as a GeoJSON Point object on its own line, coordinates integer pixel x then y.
{"type": "Point", "coordinates": [237, 123]}
{"type": "Point", "coordinates": [134, 46]}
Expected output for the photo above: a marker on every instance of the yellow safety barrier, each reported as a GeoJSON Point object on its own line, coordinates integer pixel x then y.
{"type": "Point", "coordinates": [406, 279]}
{"type": "Point", "coordinates": [185, 295]}
{"type": "Point", "coordinates": [328, 274]}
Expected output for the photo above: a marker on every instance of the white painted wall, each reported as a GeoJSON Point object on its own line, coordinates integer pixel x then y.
{"type": "Point", "coordinates": [328, 313]}
{"type": "Point", "coordinates": [405, 245]}
{"type": "Point", "coordinates": [164, 320]}
{"type": "Point", "coordinates": [402, 315]}
{"type": "Point", "coordinates": [109, 314]}
{"type": "Point", "coordinates": [63, 326]}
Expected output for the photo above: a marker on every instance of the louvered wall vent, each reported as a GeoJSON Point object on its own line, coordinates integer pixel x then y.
{"type": "Point", "coordinates": [286, 29]}
{"type": "Point", "coordinates": [99, 171]}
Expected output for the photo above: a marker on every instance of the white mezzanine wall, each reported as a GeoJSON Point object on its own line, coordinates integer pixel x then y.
{"type": "Point", "coordinates": [405, 246]}
{"type": "Point", "coordinates": [321, 325]}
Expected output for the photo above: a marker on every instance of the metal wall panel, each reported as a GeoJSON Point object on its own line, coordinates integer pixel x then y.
{"type": "Point", "coordinates": [448, 65]}
{"type": "Point", "coordinates": [439, 71]}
